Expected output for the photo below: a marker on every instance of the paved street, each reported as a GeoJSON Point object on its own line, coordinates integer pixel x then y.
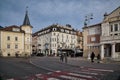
{"type": "Point", "coordinates": [81, 67]}
{"type": "Point", "coordinates": [51, 68]}
{"type": "Point", "coordinates": [18, 67]}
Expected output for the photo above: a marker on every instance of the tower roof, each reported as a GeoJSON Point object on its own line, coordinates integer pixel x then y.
{"type": "Point", "coordinates": [26, 19]}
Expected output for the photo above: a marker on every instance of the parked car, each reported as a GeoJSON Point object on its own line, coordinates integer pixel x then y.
{"type": "Point", "coordinates": [77, 53]}
{"type": "Point", "coordinates": [39, 54]}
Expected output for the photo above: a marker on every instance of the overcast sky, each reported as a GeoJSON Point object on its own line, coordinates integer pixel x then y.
{"type": "Point", "coordinates": [43, 13]}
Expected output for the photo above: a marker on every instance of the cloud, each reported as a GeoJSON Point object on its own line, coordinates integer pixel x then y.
{"type": "Point", "coordinates": [43, 13]}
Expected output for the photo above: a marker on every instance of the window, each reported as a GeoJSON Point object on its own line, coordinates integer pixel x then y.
{"type": "Point", "coordinates": [55, 39]}
{"type": "Point", "coordinates": [67, 36]}
{"type": "Point", "coordinates": [54, 29]}
{"type": "Point", "coordinates": [16, 46]}
{"type": "Point", "coordinates": [116, 27]}
{"type": "Point", "coordinates": [28, 39]}
{"type": "Point", "coordinates": [115, 34]}
{"type": "Point", "coordinates": [8, 46]}
{"type": "Point", "coordinates": [117, 47]}
{"type": "Point", "coordinates": [62, 30]}
{"type": "Point", "coordinates": [111, 28]}
{"type": "Point", "coordinates": [16, 38]}
{"type": "Point", "coordinates": [27, 47]}
{"type": "Point", "coordinates": [8, 38]}
{"type": "Point", "coordinates": [93, 39]}
{"type": "Point", "coordinates": [54, 34]}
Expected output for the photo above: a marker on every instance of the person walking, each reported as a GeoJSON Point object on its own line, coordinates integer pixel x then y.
{"type": "Point", "coordinates": [61, 57]}
{"type": "Point", "coordinates": [98, 58]}
{"type": "Point", "coordinates": [65, 57]}
{"type": "Point", "coordinates": [92, 57]}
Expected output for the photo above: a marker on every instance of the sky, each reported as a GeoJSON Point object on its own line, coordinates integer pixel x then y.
{"type": "Point", "coordinates": [43, 13]}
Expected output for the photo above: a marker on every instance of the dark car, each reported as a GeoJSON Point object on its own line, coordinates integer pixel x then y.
{"type": "Point", "coordinates": [39, 54]}
{"type": "Point", "coordinates": [77, 53]}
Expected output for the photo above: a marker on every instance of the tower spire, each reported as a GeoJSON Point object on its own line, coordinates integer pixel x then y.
{"type": "Point", "coordinates": [26, 19]}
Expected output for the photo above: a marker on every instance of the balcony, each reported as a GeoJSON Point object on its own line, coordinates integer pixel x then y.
{"type": "Point", "coordinates": [109, 38]}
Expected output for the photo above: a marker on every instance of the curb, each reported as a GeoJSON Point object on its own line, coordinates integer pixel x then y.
{"type": "Point", "coordinates": [41, 66]}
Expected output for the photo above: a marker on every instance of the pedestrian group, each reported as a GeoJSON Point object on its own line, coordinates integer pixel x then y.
{"type": "Point", "coordinates": [63, 56]}
{"type": "Point", "coordinates": [92, 56]}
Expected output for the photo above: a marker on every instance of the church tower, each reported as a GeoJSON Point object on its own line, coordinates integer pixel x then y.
{"type": "Point", "coordinates": [26, 26]}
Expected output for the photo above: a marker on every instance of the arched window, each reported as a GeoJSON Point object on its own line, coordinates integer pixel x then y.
{"type": "Point", "coordinates": [117, 47]}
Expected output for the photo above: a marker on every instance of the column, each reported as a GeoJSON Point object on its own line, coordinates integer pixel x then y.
{"type": "Point", "coordinates": [113, 50]}
{"type": "Point", "coordinates": [102, 51]}
{"type": "Point", "coordinates": [89, 52]}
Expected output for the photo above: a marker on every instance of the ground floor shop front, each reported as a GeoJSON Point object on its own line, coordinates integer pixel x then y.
{"type": "Point", "coordinates": [111, 50]}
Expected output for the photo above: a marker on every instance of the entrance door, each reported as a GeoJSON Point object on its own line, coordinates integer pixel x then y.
{"type": "Point", "coordinates": [107, 50]}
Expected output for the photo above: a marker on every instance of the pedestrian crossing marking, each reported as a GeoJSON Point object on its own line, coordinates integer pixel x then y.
{"type": "Point", "coordinates": [86, 76]}
{"type": "Point", "coordinates": [101, 70]}
{"type": "Point", "coordinates": [80, 74]}
{"type": "Point", "coordinates": [71, 77]}
{"type": "Point", "coordinates": [53, 79]}
{"type": "Point", "coordinates": [10, 79]}
{"type": "Point", "coordinates": [88, 73]}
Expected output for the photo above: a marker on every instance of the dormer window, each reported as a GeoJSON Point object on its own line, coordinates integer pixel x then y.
{"type": "Point", "coordinates": [54, 29]}
{"type": "Point", "coordinates": [62, 30]}
{"type": "Point", "coordinates": [67, 31]}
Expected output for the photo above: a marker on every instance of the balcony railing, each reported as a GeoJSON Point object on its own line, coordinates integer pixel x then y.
{"type": "Point", "coordinates": [110, 38]}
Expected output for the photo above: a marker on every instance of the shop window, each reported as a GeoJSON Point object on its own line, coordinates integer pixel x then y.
{"type": "Point", "coordinates": [117, 47]}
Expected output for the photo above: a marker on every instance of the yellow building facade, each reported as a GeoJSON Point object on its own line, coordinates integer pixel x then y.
{"type": "Point", "coordinates": [16, 40]}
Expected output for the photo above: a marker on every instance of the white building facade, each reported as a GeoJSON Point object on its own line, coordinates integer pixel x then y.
{"type": "Point", "coordinates": [55, 37]}
{"type": "Point", "coordinates": [110, 36]}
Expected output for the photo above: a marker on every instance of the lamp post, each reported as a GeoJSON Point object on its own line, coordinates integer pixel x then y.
{"type": "Point", "coordinates": [86, 22]}
{"type": "Point", "coordinates": [87, 19]}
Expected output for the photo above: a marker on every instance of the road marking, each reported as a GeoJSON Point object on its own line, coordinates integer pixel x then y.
{"type": "Point", "coordinates": [71, 78]}
{"type": "Point", "coordinates": [52, 79]}
{"type": "Point", "coordinates": [49, 73]}
{"type": "Point", "coordinates": [58, 71]}
{"type": "Point", "coordinates": [88, 73]}
{"type": "Point", "coordinates": [81, 75]}
{"type": "Point", "coordinates": [10, 79]}
{"type": "Point", "coordinates": [38, 75]}
{"type": "Point", "coordinates": [101, 70]}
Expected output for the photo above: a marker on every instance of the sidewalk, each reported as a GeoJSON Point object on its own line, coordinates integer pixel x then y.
{"type": "Point", "coordinates": [84, 62]}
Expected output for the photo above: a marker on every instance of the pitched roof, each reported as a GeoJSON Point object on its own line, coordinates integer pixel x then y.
{"type": "Point", "coordinates": [26, 20]}
{"type": "Point", "coordinates": [92, 25]}
{"type": "Point", "coordinates": [10, 28]}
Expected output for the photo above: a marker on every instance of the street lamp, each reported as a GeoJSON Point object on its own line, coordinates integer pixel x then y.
{"type": "Point", "coordinates": [87, 19]}
{"type": "Point", "coordinates": [86, 22]}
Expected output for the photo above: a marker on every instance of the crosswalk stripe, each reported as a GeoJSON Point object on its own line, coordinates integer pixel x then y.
{"type": "Point", "coordinates": [81, 75]}
{"type": "Point", "coordinates": [53, 79]}
{"type": "Point", "coordinates": [10, 79]}
{"type": "Point", "coordinates": [104, 70]}
{"type": "Point", "coordinates": [71, 77]}
{"type": "Point", "coordinates": [91, 73]}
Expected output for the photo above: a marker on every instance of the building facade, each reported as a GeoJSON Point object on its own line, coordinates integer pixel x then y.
{"type": "Point", "coordinates": [55, 37]}
{"type": "Point", "coordinates": [79, 40]}
{"type": "Point", "coordinates": [16, 40]}
{"type": "Point", "coordinates": [91, 39]}
{"type": "Point", "coordinates": [110, 37]}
